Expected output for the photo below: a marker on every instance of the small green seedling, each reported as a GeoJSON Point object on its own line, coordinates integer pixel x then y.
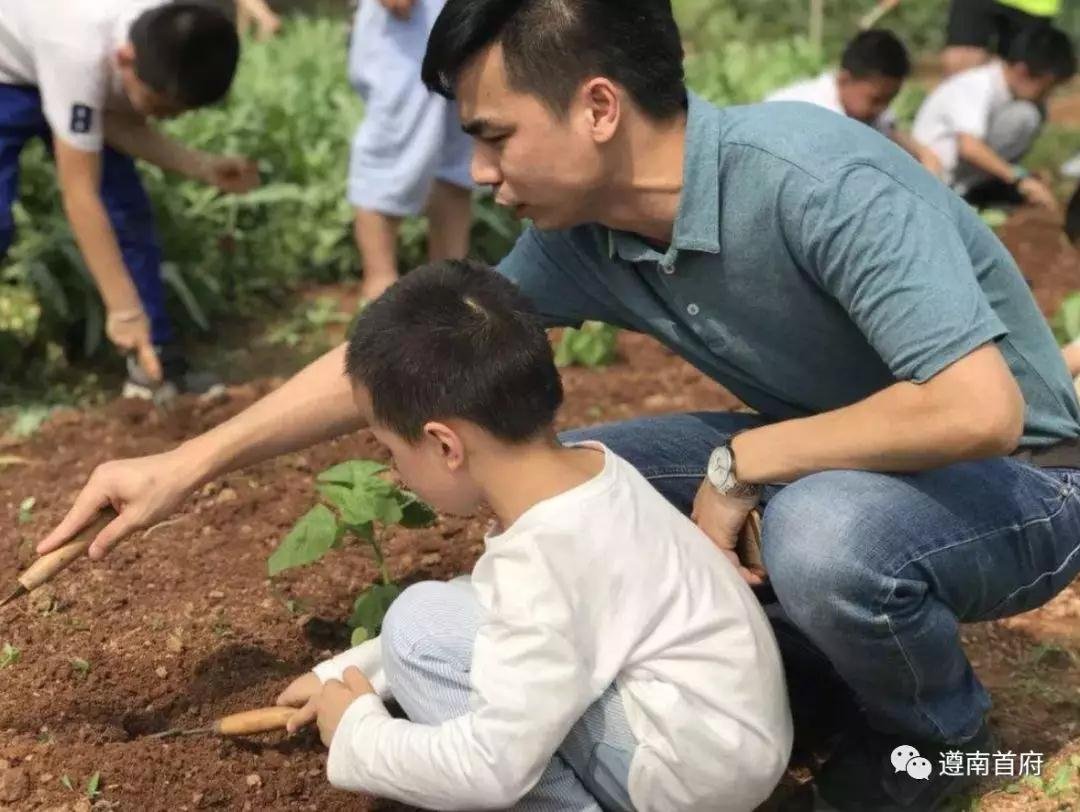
{"type": "Point", "coordinates": [92, 784]}
{"type": "Point", "coordinates": [594, 345]}
{"type": "Point", "coordinates": [80, 666]}
{"type": "Point", "coordinates": [66, 781]}
{"type": "Point", "coordinates": [357, 500]}
{"type": "Point", "coordinates": [26, 509]}
{"type": "Point", "coordinates": [9, 655]}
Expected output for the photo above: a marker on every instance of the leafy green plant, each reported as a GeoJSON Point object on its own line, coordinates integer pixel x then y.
{"type": "Point", "coordinates": [92, 786]}
{"type": "Point", "coordinates": [357, 503]}
{"type": "Point", "coordinates": [9, 655]}
{"type": "Point", "coordinates": [594, 345]}
{"type": "Point", "coordinates": [80, 667]}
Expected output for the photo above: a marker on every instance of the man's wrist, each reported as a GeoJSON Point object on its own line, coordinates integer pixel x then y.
{"type": "Point", "coordinates": [723, 474]}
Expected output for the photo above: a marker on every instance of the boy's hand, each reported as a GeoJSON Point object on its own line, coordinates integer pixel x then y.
{"type": "Point", "coordinates": [335, 699]}
{"type": "Point", "coordinates": [301, 694]}
{"type": "Point", "coordinates": [722, 518]}
{"type": "Point", "coordinates": [401, 9]}
{"type": "Point", "coordinates": [129, 331]}
{"type": "Point", "coordinates": [232, 174]}
{"type": "Point", "coordinates": [1037, 193]}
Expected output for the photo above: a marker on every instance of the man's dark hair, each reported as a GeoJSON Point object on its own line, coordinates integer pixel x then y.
{"type": "Point", "coordinates": [186, 51]}
{"type": "Point", "coordinates": [1045, 50]}
{"type": "Point", "coordinates": [551, 46]}
{"type": "Point", "coordinates": [455, 339]}
{"type": "Point", "coordinates": [876, 53]}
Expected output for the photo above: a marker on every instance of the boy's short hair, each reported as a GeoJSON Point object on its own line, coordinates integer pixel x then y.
{"type": "Point", "coordinates": [1045, 51]}
{"type": "Point", "coordinates": [455, 339]}
{"type": "Point", "coordinates": [551, 46]}
{"type": "Point", "coordinates": [186, 51]}
{"type": "Point", "coordinates": [876, 53]}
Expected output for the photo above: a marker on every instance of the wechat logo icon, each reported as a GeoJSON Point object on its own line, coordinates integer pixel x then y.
{"type": "Point", "coordinates": [906, 759]}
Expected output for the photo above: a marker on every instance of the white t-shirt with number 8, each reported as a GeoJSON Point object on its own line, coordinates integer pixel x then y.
{"type": "Point", "coordinates": [66, 48]}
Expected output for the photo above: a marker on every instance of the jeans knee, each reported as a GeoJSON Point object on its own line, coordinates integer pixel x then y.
{"type": "Point", "coordinates": [821, 548]}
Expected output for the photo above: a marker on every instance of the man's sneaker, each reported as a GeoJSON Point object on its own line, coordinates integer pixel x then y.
{"type": "Point", "coordinates": [874, 772]}
{"type": "Point", "coordinates": [179, 379]}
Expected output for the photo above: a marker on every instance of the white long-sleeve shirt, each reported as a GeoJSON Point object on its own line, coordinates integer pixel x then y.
{"type": "Point", "coordinates": [606, 582]}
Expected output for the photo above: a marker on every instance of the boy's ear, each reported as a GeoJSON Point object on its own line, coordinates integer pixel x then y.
{"type": "Point", "coordinates": [125, 55]}
{"type": "Point", "coordinates": [451, 446]}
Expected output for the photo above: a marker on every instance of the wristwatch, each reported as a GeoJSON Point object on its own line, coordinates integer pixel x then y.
{"type": "Point", "coordinates": [721, 475]}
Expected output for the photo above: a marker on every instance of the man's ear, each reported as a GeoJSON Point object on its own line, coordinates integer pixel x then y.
{"type": "Point", "coordinates": [602, 104]}
{"type": "Point", "coordinates": [449, 442]}
{"type": "Point", "coordinates": [125, 55]}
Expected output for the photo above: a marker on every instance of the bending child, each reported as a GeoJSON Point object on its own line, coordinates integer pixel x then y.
{"type": "Point", "coordinates": [603, 654]}
{"type": "Point", "coordinates": [873, 69]}
{"type": "Point", "coordinates": [982, 121]}
{"type": "Point", "coordinates": [87, 77]}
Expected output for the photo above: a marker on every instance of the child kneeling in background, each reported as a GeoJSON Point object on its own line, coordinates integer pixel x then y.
{"type": "Point", "coordinates": [603, 655]}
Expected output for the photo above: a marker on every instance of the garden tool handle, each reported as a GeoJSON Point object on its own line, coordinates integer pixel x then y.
{"type": "Point", "coordinates": [748, 546]}
{"type": "Point", "coordinates": [253, 721]}
{"type": "Point", "coordinates": [50, 564]}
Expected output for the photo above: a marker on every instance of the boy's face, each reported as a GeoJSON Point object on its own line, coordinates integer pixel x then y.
{"type": "Point", "coordinates": [434, 468]}
{"type": "Point", "coordinates": [541, 166]}
{"type": "Point", "coordinates": [865, 99]}
{"type": "Point", "coordinates": [1028, 86]}
{"type": "Point", "coordinates": [143, 99]}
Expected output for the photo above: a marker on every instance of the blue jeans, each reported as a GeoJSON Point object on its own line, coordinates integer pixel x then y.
{"type": "Point", "coordinates": [427, 645]}
{"type": "Point", "coordinates": [21, 119]}
{"type": "Point", "coordinates": [878, 571]}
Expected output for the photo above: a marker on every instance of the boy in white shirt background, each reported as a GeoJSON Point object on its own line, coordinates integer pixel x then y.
{"type": "Point", "coordinates": [603, 655]}
{"type": "Point", "coordinates": [873, 68]}
{"type": "Point", "coordinates": [982, 121]}
{"type": "Point", "coordinates": [86, 77]}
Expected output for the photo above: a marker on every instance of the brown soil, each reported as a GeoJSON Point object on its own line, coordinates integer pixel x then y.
{"type": "Point", "coordinates": [183, 625]}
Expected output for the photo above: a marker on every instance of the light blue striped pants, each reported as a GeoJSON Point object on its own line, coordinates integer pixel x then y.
{"type": "Point", "coordinates": [427, 645]}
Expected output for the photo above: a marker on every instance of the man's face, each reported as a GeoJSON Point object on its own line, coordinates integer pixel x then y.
{"type": "Point", "coordinates": [867, 98]}
{"type": "Point", "coordinates": [540, 165]}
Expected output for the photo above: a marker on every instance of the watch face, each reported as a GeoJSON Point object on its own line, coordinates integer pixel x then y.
{"type": "Point", "coordinates": [720, 466]}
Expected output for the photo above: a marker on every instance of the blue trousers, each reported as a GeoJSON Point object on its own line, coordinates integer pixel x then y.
{"type": "Point", "coordinates": [878, 571]}
{"type": "Point", "coordinates": [126, 202]}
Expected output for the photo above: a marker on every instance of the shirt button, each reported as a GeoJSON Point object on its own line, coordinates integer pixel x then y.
{"type": "Point", "coordinates": [693, 309]}
{"type": "Point", "coordinates": [668, 269]}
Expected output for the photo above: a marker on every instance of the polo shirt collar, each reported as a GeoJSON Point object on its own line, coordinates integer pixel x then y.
{"type": "Point", "coordinates": [697, 223]}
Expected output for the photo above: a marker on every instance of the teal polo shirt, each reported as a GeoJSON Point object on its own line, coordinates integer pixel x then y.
{"type": "Point", "coordinates": [813, 263]}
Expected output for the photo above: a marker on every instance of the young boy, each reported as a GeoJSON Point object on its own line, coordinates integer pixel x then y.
{"type": "Point", "coordinates": [979, 28]}
{"type": "Point", "coordinates": [85, 77]}
{"type": "Point", "coordinates": [603, 655]}
{"type": "Point", "coordinates": [409, 155]}
{"type": "Point", "coordinates": [873, 68]}
{"type": "Point", "coordinates": [982, 121]}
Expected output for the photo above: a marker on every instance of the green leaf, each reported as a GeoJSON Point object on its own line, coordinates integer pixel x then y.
{"type": "Point", "coordinates": [1061, 781]}
{"type": "Point", "coordinates": [171, 274]}
{"type": "Point", "coordinates": [594, 344]}
{"type": "Point", "coordinates": [994, 218]}
{"type": "Point", "coordinates": [92, 786]}
{"type": "Point", "coordinates": [359, 635]}
{"type": "Point", "coordinates": [315, 533]}
{"type": "Point", "coordinates": [352, 472]}
{"type": "Point", "coordinates": [337, 495]}
{"type": "Point", "coordinates": [371, 606]}
{"type": "Point", "coordinates": [9, 655]}
{"type": "Point", "coordinates": [26, 509]}
{"type": "Point", "coordinates": [66, 781]}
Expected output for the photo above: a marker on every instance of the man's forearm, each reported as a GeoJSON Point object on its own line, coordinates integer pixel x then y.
{"type": "Point", "coordinates": [97, 242]}
{"type": "Point", "coordinates": [904, 428]}
{"type": "Point", "coordinates": [134, 136]}
{"type": "Point", "coordinates": [316, 404]}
